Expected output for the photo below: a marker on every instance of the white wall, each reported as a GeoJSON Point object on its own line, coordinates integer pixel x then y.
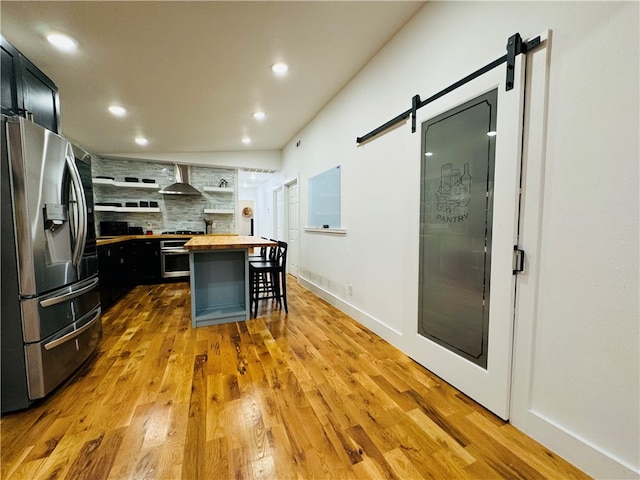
{"type": "Point", "coordinates": [576, 372]}
{"type": "Point", "coordinates": [244, 223]}
{"type": "Point", "coordinates": [264, 207]}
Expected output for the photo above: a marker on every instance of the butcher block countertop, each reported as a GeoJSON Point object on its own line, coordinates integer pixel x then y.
{"type": "Point", "coordinates": [123, 238]}
{"type": "Point", "coordinates": [219, 242]}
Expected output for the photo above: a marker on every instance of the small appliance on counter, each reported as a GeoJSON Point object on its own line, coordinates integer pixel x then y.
{"type": "Point", "coordinates": [135, 231]}
{"type": "Point", "coordinates": [112, 229]}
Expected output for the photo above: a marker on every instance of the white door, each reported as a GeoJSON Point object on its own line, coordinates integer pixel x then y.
{"type": "Point", "coordinates": [292, 250]}
{"type": "Point", "coordinates": [280, 216]}
{"type": "Point", "coordinates": [470, 150]}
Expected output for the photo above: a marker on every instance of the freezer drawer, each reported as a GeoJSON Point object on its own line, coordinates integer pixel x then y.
{"type": "Point", "coordinates": [45, 315]}
{"type": "Point", "coordinates": [52, 360]}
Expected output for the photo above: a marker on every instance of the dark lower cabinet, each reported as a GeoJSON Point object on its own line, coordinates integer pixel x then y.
{"type": "Point", "coordinates": [114, 263]}
{"type": "Point", "coordinates": [146, 261]}
{"type": "Point", "coordinates": [104, 271]}
{"type": "Point", "coordinates": [126, 264]}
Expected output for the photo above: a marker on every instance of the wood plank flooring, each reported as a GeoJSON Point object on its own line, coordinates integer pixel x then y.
{"type": "Point", "coordinates": [308, 395]}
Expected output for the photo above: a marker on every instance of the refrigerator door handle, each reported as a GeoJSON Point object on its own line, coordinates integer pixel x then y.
{"type": "Point", "coordinates": [71, 335]}
{"type": "Point", "coordinates": [81, 202]}
{"type": "Point", "coordinates": [71, 294]}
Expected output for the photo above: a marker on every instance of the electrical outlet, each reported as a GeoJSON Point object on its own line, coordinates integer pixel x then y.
{"type": "Point", "coordinates": [350, 289]}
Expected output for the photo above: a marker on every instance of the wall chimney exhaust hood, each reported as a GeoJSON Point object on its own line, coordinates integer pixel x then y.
{"type": "Point", "coordinates": [181, 185]}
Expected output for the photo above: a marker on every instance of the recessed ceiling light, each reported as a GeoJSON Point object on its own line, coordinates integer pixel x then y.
{"type": "Point", "coordinates": [279, 68]}
{"type": "Point", "coordinates": [246, 140]}
{"type": "Point", "coordinates": [259, 115]}
{"type": "Point", "coordinates": [117, 110]}
{"type": "Point", "coordinates": [141, 141]}
{"type": "Point", "coordinates": [62, 42]}
{"type": "Point", "coordinates": [492, 133]}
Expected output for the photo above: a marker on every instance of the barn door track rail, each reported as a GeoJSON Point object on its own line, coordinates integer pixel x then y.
{"type": "Point", "coordinates": [515, 46]}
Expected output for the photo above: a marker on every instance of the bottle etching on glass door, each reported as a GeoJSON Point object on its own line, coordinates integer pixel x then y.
{"type": "Point", "coordinates": [453, 194]}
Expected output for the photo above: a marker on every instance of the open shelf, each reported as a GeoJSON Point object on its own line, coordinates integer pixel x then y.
{"type": "Point", "coordinates": [105, 208]}
{"type": "Point", "coordinates": [219, 211]}
{"type": "Point", "coordinates": [114, 183]}
{"type": "Point", "coordinates": [219, 189]}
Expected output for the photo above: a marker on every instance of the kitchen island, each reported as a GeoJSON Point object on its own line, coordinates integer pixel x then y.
{"type": "Point", "coordinates": [112, 239]}
{"type": "Point", "coordinates": [219, 277]}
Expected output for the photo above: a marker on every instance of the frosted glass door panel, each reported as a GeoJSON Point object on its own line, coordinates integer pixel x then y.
{"type": "Point", "coordinates": [458, 158]}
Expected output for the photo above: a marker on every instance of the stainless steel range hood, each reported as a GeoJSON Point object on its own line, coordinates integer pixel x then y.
{"type": "Point", "coordinates": [181, 185]}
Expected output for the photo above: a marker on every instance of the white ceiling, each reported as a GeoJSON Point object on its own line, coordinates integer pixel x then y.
{"type": "Point", "coordinates": [192, 73]}
{"type": "Point", "coordinates": [253, 178]}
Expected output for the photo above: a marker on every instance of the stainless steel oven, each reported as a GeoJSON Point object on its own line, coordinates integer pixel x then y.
{"type": "Point", "coordinates": [174, 258]}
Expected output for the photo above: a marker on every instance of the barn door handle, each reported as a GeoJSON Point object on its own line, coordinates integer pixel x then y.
{"type": "Point", "coordinates": [518, 260]}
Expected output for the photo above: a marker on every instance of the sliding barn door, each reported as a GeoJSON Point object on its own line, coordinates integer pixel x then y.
{"type": "Point", "coordinates": [470, 151]}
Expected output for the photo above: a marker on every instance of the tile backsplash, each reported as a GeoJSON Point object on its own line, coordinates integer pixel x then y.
{"type": "Point", "coordinates": [176, 212]}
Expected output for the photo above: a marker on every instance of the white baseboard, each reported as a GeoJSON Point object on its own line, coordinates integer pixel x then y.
{"type": "Point", "coordinates": [389, 334]}
{"type": "Point", "coordinates": [577, 451]}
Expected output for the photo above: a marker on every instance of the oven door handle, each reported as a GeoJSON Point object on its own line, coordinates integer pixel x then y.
{"type": "Point", "coordinates": [71, 335]}
{"type": "Point", "coordinates": [174, 252]}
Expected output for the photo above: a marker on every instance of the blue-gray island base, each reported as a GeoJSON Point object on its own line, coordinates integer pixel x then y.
{"type": "Point", "coordinates": [219, 278]}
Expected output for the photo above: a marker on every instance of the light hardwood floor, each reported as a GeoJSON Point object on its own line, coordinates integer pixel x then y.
{"type": "Point", "coordinates": [311, 394]}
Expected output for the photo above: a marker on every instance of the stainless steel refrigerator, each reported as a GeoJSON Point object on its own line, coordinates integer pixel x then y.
{"type": "Point", "coordinates": [50, 319]}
